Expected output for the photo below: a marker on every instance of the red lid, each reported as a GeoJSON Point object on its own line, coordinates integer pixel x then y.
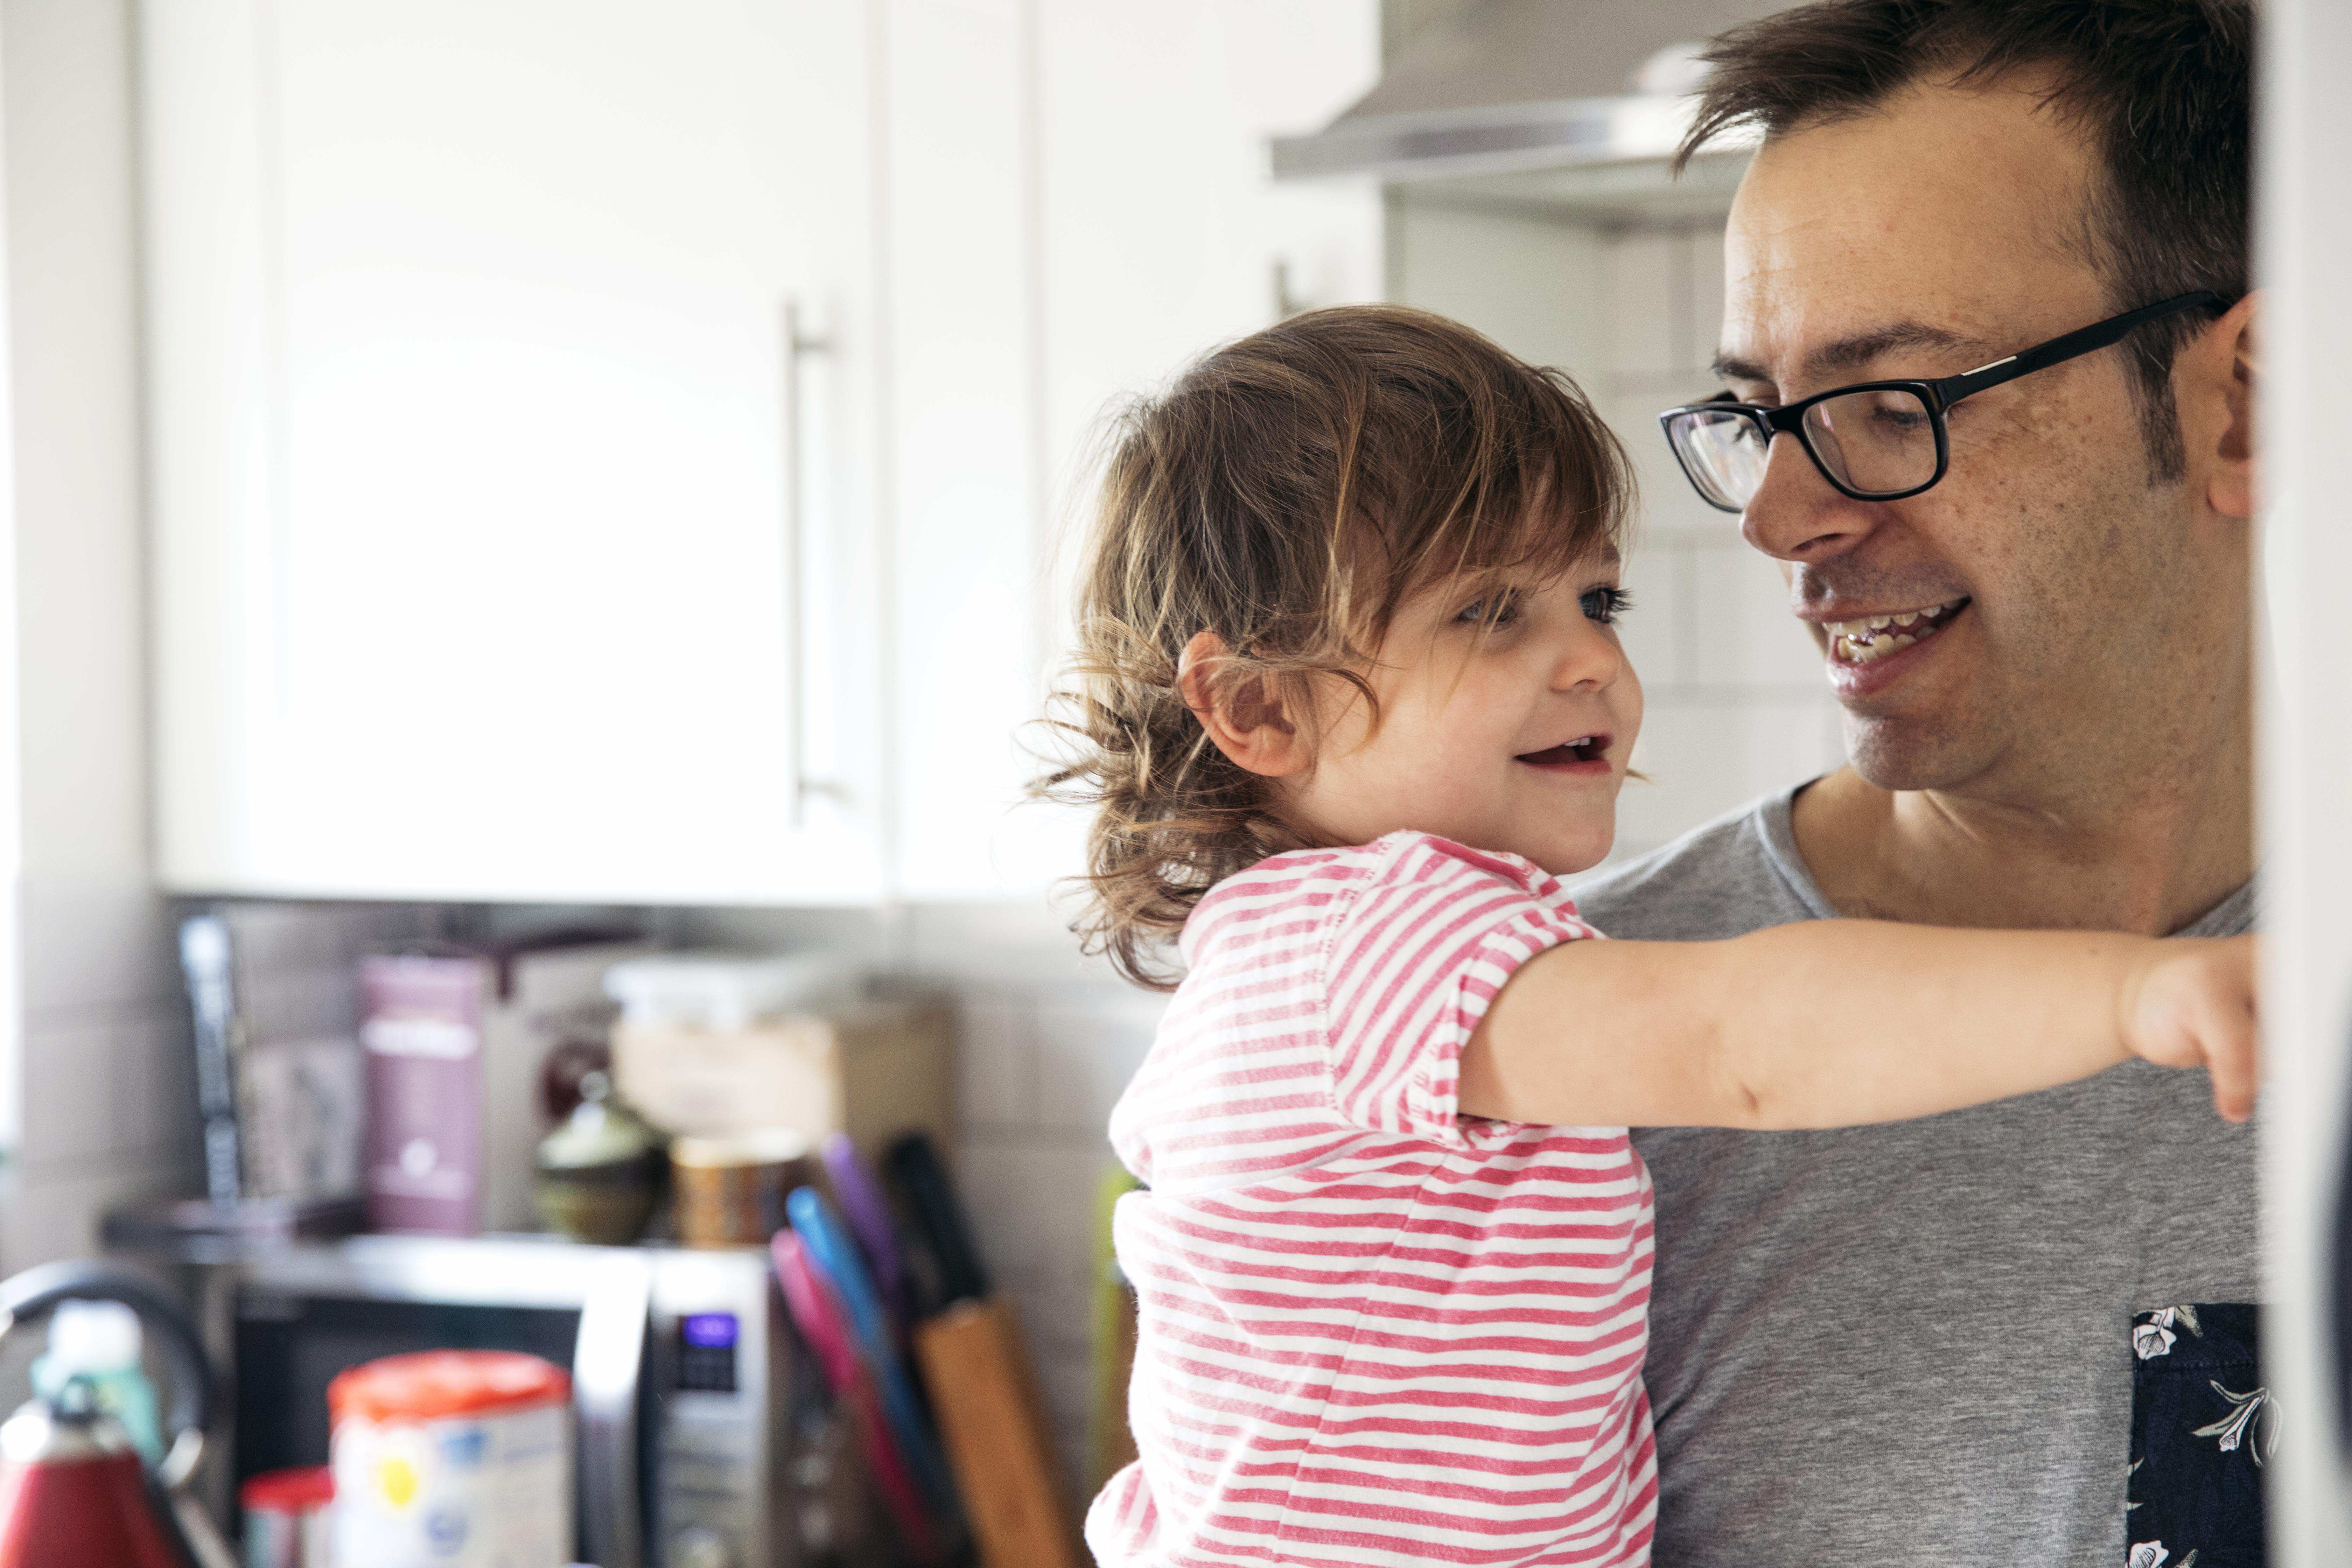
{"type": "Point", "coordinates": [297, 1490]}
{"type": "Point", "coordinates": [431, 1385]}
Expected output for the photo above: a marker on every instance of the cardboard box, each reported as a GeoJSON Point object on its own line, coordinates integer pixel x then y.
{"type": "Point", "coordinates": [873, 1069]}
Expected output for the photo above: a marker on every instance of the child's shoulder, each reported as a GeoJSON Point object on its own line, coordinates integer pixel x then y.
{"type": "Point", "coordinates": [1304, 881]}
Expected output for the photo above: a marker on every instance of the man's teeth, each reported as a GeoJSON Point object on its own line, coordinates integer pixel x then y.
{"type": "Point", "coordinates": [1864, 641]}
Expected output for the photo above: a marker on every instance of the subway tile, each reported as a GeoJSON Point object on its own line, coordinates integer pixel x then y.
{"type": "Point", "coordinates": [996, 1063]}
{"type": "Point", "coordinates": [1707, 758]}
{"type": "Point", "coordinates": [1537, 288]}
{"type": "Point", "coordinates": [1032, 1203]}
{"type": "Point", "coordinates": [1745, 635]}
{"type": "Point", "coordinates": [1086, 1055]}
{"type": "Point", "coordinates": [68, 1088]}
{"type": "Point", "coordinates": [1656, 631]}
{"type": "Point", "coordinates": [156, 1084]}
{"type": "Point", "coordinates": [92, 941]}
{"type": "Point", "coordinates": [1664, 501]}
{"type": "Point", "coordinates": [51, 1219]}
{"type": "Point", "coordinates": [1055, 1308]}
{"type": "Point", "coordinates": [1643, 274]}
{"type": "Point", "coordinates": [1705, 303]}
{"type": "Point", "coordinates": [53, 1215]}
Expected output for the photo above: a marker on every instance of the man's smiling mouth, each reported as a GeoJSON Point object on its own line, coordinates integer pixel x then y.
{"type": "Point", "coordinates": [1874, 638]}
{"type": "Point", "coordinates": [1583, 749]}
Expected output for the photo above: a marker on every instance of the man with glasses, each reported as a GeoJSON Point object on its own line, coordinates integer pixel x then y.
{"type": "Point", "coordinates": [1988, 353]}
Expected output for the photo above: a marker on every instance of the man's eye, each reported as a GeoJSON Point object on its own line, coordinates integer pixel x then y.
{"type": "Point", "coordinates": [1604, 605]}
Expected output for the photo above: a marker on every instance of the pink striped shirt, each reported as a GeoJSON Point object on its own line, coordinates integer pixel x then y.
{"type": "Point", "coordinates": [1373, 1331]}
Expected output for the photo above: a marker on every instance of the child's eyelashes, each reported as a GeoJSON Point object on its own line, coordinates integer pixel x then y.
{"type": "Point", "coordinates": [1502, 608]}
{"type": "Point", "coordinates": [1497, 609]}
{"type": "Point", "coordinates": [1604, 605]}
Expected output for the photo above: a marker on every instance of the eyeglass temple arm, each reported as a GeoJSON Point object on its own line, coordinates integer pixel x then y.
{"type": "Point", "coordinates": [2041, 356]}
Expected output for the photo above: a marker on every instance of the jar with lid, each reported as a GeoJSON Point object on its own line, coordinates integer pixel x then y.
{"type": "Point", "coordinates": [599, 1171]}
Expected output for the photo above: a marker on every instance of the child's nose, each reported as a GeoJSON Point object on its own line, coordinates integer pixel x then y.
{"type": "Point", "coordinates": [1591, 658]}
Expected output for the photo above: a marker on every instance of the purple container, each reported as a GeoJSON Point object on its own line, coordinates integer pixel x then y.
{"type": "Point", "coordinates": [422, 1033]}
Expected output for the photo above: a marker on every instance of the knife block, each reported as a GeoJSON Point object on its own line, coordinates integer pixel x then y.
{"type": "Point", "coordinates": [993, 1424]}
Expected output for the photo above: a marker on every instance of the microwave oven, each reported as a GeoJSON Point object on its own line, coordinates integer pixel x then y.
{"type": "Point", "coordinates": [683, 1372]}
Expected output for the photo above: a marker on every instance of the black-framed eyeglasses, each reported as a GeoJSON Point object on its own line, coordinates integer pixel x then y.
{"type": "Point", "coordinates": [1876, 440]}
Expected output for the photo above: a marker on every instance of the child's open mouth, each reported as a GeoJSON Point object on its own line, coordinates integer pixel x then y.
{"type": "Point", "coordinates": [1586, 753]}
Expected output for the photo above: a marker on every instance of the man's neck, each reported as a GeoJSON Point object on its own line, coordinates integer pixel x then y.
{"type": "Point", "coordinates": [2151, 862]}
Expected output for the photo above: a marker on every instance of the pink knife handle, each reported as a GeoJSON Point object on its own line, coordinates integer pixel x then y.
{"type": "Point", "coordinates": [819, 1321]}
{"type": "Point", "coordinates": [818, 1318]}
{"type": "Point", "coordinates": [891, 1478]}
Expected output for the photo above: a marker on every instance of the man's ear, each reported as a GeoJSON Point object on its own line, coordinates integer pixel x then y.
{"type": "Point", "coordinates": [1244, 719]}
{"type": "Point", "coordinates": [2227, 366]}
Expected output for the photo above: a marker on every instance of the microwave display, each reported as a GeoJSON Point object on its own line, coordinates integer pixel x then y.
{"type": "Point", "coordinates": [706, 1352]}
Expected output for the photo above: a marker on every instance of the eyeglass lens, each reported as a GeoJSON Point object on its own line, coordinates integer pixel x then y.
{"type": "Point", "coordinates": [1877, 442]}
{"type": "Point", "coordinates": [1723, 453]}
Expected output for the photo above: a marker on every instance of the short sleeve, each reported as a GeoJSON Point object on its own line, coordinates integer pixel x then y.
{"type": "Point", "coordinates": [1410, 971]}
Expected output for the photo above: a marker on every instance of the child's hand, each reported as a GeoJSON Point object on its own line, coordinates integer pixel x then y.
{"type": "Point", "coordinates": [2190, 1000]}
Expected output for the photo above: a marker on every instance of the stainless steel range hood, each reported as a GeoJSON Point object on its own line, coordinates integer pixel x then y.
{"type": "Point", "coordinates": [1512, 86]}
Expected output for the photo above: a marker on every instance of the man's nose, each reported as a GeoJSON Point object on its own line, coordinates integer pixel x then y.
{"type": "Point", "coordinates": [1797, 515]}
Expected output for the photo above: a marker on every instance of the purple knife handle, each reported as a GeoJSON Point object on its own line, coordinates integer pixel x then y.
{"type": "Point", "coordinates": [868, 1213]}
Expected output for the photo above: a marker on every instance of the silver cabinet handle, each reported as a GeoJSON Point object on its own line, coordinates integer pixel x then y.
{"type": "Point", "coordinates": [798, 345]}
{"type": "Point", "coordinates": [607, 1368]}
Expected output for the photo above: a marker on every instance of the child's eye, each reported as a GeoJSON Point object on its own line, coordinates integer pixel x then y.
{"type": "Point", "coordinates": [1498, 609]}
{"type": "Point", "coordinates": [1604, 605]}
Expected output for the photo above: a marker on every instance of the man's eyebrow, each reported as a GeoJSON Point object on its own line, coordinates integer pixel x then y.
{"type": "Point", "coordinates": [1857, 349]}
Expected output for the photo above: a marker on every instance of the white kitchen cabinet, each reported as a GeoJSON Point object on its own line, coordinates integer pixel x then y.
{"type": "Point", "coordinates": [1127, 223]}
{"type": "Point", "coordinates": [505, 547]}
{"type": "Point", "coordinates": [484, 564]}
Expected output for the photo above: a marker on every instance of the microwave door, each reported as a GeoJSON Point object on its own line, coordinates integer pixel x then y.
{"type": "Point", "coordinates": [607, 1375]}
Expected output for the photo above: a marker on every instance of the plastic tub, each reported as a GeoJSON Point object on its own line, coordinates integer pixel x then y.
{"type": "Point", "coordinates": [455, 1457]}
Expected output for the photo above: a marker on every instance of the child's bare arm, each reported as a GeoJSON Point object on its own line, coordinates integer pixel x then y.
{"type": "Point", "coordinates": [1839, 1023]}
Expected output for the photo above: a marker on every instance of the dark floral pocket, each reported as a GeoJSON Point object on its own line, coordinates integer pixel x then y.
{"type": "Point", "coordinates": [2204, 1427]}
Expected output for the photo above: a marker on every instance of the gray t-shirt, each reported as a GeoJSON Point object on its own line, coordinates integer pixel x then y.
{"type": "Point", "coordinates": [1910, 1344]}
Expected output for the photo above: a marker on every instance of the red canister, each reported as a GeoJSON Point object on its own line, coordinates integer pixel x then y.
{"type": "Point", "coordinates": [286, 1517]}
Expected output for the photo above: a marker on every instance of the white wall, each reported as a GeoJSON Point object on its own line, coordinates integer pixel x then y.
{"type": "Point", "coordinates": [101, 1062]}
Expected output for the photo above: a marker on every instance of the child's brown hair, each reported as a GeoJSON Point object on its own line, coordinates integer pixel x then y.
{"type": "Point", "coordinates": [1288, 494]}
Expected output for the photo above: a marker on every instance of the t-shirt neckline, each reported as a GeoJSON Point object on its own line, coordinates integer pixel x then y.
{"type": "Point", "coordinates": [1776, 826]}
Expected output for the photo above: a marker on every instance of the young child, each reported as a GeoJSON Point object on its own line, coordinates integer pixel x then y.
{"type": "Point", "coordinates": [1350, 699]}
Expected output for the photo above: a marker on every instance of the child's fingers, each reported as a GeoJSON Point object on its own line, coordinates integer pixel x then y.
{"type": "Point", "coordinates": [2229, 1057]}
{"type": "Point", "coordinates": [2230, 1032]}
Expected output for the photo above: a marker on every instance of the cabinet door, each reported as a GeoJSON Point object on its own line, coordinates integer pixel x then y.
{"type": "Point", "coordinates": [1079, 202]}
{"type": "Point", "coordinates": [510, 542]}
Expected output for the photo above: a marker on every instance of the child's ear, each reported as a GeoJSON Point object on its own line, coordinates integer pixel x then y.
{"type": "Point", "coordinates": [1243, 718]}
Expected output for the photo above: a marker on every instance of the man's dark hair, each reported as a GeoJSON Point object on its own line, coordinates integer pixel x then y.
{"type": "Point", "coordinates": [2162, 89]}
